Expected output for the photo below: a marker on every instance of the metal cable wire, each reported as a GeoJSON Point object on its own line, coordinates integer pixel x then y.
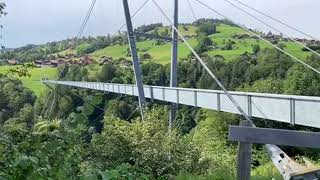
{"type": "Point", "coordinates": [83, 25]}
{"type": "Point", "coordinates": [86, 19]}
{"type": "Point", "coordinates": [277, 20]}
{"type": "Point", "coordinates": [132, 113]}
{"type": "Point", "coordinates": [192, 10]}
{"type": "Point", "coordinates": [95, 120]}
{"type": "Point", "coordinates": [272, 27]}
{"type": "Point", "coordinates": [135, 13]}
{"type": "Point", "coordinates": [53, 102]}
{"type": "Point", "coordinates": [260, 37]}
{"type": "Point", "coordinates": [204, 64]}
{"type": "Point", "coordinates": [46, 103]}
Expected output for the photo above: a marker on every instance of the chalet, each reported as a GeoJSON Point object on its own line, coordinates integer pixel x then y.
{"type": "Point", "coordinates": [12, 62]}
{"type": "Point", "coordinates": [105, 60]}
{"type": "Point", "coordinates": [38, 63]}
{"type": "Point", "coordinates": [87, 60]}
{"type": "Point", "coordinates": [54, 63]}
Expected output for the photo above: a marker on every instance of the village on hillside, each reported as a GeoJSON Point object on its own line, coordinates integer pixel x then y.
{"type": "Point", "coordinates": [71, 59]}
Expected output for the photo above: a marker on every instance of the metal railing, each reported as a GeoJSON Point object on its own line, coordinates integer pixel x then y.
{"type": "Point", "coordinates": [300, 110]}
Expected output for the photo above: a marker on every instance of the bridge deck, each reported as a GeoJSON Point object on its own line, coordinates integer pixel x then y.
{"type": "Point", "coordinates": [301, 110]}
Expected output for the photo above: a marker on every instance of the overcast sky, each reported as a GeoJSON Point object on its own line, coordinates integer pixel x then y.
{"type": "Point", "coordinates": [40, 21]}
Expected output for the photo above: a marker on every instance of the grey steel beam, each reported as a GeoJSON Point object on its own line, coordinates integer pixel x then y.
{"type": "Point", "coordinates": [174, 62]}
{"type": "Point", "coordinates": [134, 55]}
{"type": "Point", "coordinates": [306, 109]}
{"type": "Point", "coordinates": [274, 136]}
{"type": "Point", "coordinates": [289, 169]}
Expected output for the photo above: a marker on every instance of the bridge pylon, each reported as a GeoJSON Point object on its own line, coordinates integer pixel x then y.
{"type": "Point", "coordinates": [135, 58]}
{"type": "Point", "coordinates": [174, 62]}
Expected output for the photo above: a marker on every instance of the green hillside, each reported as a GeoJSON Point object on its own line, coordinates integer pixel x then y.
{"type": "Point", "coordinates": [161, 53]}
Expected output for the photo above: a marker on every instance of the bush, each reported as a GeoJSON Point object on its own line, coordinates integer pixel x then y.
{"type": "Point", "coordinates": [207, 28]}
{"type": "Point", "coordinates": [146, 145]}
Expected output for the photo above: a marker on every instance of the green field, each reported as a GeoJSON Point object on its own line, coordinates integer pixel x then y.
{"type": "Point", "coordinates": [33, 82]}
{"type": "Point", "coordinates": [161, 53]}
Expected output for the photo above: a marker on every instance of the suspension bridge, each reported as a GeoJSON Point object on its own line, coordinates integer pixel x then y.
{"type": "Point", "coordinates": [291, 109]}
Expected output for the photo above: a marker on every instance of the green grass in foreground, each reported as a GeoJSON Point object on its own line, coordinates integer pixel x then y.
{"type": "Point", "coordinates": [33, 82]}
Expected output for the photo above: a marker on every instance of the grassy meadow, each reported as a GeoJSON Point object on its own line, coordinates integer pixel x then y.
{"type": "Point", "coordinates": [161, 53]}
{"type": "Point", "coordinates": [34, 81]}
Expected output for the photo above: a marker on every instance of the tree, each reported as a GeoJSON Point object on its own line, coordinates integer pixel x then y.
{"type": "Point", "coordinates": [84, 48]}
{"type": "Point", "coordinates": [153, 74]}
{"type": "Point", "coordinates": [270, 85]}
{"type": "Point", "coordinates": [165, 32]}
{"type": "Point", "coordinates": [204, 43]}
{"type": "Point", "coordinates": [145, 146]}
{"type": "Point", "coordinates": [207, 28]}
{"type": "Point", "coordinates": [303, 81]}
{"type": "Point", "coordinates": [13, 97]}
{"type": "Point", "coordinates": [2, 13]}
{"type": "Point", "coordinates": [255, 48]}
{"type": "Point", "coordinates": [107, 73]}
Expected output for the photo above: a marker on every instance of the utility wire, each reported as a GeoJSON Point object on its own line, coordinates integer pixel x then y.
{"type": "Point", "coordinates": [277, 20]}
{"type": "Point", "coordinates": [204, 65]}
{"type": "Point", "coordinates": [192, 10]}
{"type": "Point", "coordinates": [272, 27]}
{"type": "Point", "coordinates": [260, 37]}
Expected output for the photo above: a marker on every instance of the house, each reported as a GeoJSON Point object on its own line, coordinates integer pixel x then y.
{"type": "Point", "coordinates": [56, 63]}
{"type": "Point", "coordinates": [87, 60]}
{"type": "Point", "coordinates": [12, 62]}
{"type": "Point", "coordinates": [61, 61]}
{"type": "Point", "coordinates": [38, 63]}
{"type": "Point", "coordinates": [46, 63]}
{"type": "Point", "coordinates": [105, 60]}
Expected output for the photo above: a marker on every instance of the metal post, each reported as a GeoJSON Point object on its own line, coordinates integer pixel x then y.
{"type": "Point", "coordinates": [174, 62]}
{"type": "Point", "coordinates": [135, 58]}
{"type": "Point", "coordinates": [244, 156]}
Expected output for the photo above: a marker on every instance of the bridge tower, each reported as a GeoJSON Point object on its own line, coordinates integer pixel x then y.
{"type": "Point", "coordinates": [174, 62]}
{"type": "Point", "coordinates": [135, 58]}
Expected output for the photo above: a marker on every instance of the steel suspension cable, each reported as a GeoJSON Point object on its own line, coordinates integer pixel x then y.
{"type": "Point", "coordinates": [260, 37]}
{"type": "Point", "coordinates": [192, 10]}
{"type": "Point", "coordinates": [53, 102]}
{"type": "Point", "coordinates": [204, 64]}
{"type": "Point", "coordinates": [277, 20]}
{"type": "Point", "coordinates": [135, 13]}
{"type": "Point", "coordinates": [86, 19]}
{"type": "Point", "coordinates": [135, 110]}
{"type": "Point", "coordinates": [272, 27]}
{"type": "Point", "coordinates": [45, 104]}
